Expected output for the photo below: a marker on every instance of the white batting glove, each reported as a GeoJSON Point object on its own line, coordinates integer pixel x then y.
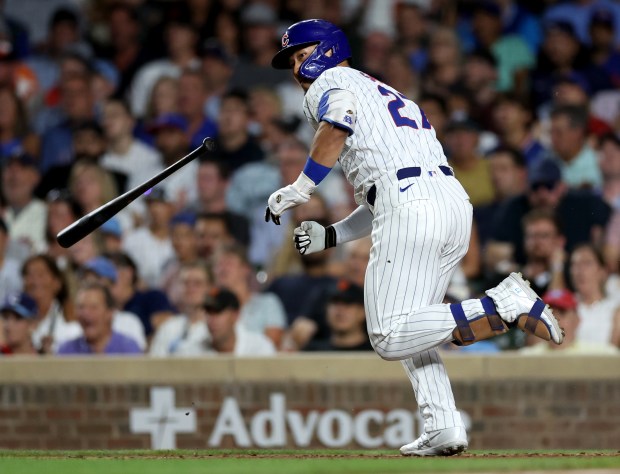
{"type": "Point", "coordinates": [289, 196]}
{"type": "Point", "coordinates": [311, 237]}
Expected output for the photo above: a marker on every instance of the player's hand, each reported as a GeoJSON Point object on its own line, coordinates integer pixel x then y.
{"type": "Point", "coordinates": [309, 237]}
{"type": "Point", "coordinates": [283, 199]}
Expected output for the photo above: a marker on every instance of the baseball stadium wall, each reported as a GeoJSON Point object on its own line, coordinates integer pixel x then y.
{"type": "Point", "coordinates": [297, 401]}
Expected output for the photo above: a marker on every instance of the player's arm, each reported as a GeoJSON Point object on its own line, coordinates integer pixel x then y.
{"type": "Point", "coordinates": [336, 117]}
{"type": "Point", "coordinates": [311, 237]}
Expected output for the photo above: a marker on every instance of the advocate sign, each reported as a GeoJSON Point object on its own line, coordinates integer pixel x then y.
{"type": "Point", "coordinates": [276, 426]}
{"type": "Point", "coordinates": [332, 428]}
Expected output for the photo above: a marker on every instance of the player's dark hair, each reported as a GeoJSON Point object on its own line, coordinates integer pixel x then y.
{"type": "Point", "coordinates": [3, 227]}
{"type": "Point", "coordinates": [517, 158]}
{"type": "Point", "coordinates": [577, 115]}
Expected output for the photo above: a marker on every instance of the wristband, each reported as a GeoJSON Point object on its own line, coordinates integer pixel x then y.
{"type": "Point", "coordinates": [315, 171]}
{"type": "Point", "coordinates": [330, 237]}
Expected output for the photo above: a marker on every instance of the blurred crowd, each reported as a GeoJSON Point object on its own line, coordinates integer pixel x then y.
{"type": "Point", "coordinates": [97, 96]}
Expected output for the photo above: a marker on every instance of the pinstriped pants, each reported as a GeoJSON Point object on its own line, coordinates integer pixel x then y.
{"type": "Point", "coordinates": [418, 238]}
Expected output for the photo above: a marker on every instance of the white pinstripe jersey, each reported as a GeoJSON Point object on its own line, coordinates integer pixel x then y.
{"type": "Point", "coordinates": [390, 132]}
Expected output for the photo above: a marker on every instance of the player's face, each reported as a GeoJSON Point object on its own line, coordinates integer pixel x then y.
{"type": "Point", "coordinates": [296, 60]}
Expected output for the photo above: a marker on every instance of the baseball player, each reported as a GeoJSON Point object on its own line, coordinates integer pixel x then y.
{"type": "Point", "coordinates": [419, 218]}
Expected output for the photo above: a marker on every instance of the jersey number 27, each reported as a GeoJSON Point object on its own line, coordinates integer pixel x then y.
{"type": "Point", "coordinates": [394, 107]}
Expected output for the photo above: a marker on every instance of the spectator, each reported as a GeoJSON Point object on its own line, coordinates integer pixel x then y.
{"type": "Point", "coordinates": [62, 211]}
{"type": "Point", "coordinates": [564, 306]}
{"type": "Point", "coordinates": [603, 45]}
{"type": "Point", "coordinates": [76, 106]}
{"type": "Point", "coordinates": [85, 249]}
{"type": "Point", "coordinates": [583, 214]}
{"type": "Point", "coordinates": [63, 33]}
{"type": "Point", "coordinates": [233, 145]}
{"type": "Point", "coordinates": [185, 247]}
{"type": "Point", "coordinates": [95, 310]}
{"type": "Point", "coordinates": [15, 136]}
{"type": "Point", "coordinates": [171, 140]}
{"type": "Point", "coordinates": [436, 110]}
{"type": "Point", "coordinates": [260, 39]}
{"type": "Point", "coordinates": [192, 99]}
{"type": "Point", "coordinates": [562, 54]}
{"type": "Point", "coordinates": [610, 168]}
{"type": "Point", "coordinates": [125, 154]}
{"type": "Point", "coordinates": [346, 320]}
{"type": "Point", "coordinates": [217, 69]}
{"type": "Point", "coordinates": [577, 159]}
{"type": "Point", "coordinates": [18, 314]}
{"type": "Point", "coordinates": [412, 29]}
{"type": "Point", "coordinates": [252, 184]}
{"type": "Point", "coordinates": [151, 306]}
{"type": "Point", "coordinates": [163, 101]}
{"type": "Point", "coordinates": [126, 50]}
{"type": "Point", "coordinates": [23, 214]}
{"type": "Point", "coordinates": [477, 94]}
{"type": "Point", "coordinates": [10, 277]}
{"type": "Point", "coordinates": [509, 178]}
{"type": "Point", "coordinates": [45, 284]}
{"type": "Point", "coordinates": [88, 145]}
{"type": "Point", "coordinates": [150, 246]}
{"type": "Point", "coordinates": [227, 333]}
{"type": "Point", "coordinates": [514, 57]}
{"type": "Point", "coordinates": [266, 110]}
{"type": "Point", "coordinates": [294, 288]}
{"type": "Point", "coordinates": [544, 250]}
{"type": "Point", "coordinates": [185, 333]}
{"type": "Point", "coordinates": [599, 313]}
{"type": "Point", "coordinates": [513, 120]}
{"type": "Point", "coordinates": [212, 180]}
{"type": "Point", "coordinates": [101, 270]}
{"type": "Point", "coordinates": [469, 167]}
{"type": "Point", "coordinates": [92, 186]}
{"type": "Point", "coordinates": [374, 54]}
{"type": "Point", "coordinates": [112, 236]}
{"type": "Point", "coordinates": [357, 254]}
{"type": "Point", "coordinates": [443, 70]}
{"type": "Point", "coordinates": [181, 43]}
{"type": "Point", "coordinates": [216, 229]}
{"type": "Point", "coordinates": [261, 313]}
{"type": "Point", "coordinates": [578, 15]}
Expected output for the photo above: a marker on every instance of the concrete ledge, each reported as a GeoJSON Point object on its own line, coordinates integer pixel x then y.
{"type": "Point", "coordinates": [298, 367]}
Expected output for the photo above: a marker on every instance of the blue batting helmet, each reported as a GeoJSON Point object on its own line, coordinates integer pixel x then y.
{"type": "Point", "coordinates": [327, 36]}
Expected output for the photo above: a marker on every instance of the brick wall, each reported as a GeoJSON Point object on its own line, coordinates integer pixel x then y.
{"type": "Point", "coordinates": [562, 414]}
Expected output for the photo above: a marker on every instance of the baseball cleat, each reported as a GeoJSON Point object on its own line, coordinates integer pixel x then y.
{"type": "Point", "coordinates": [447, 442]}
{"type": "Point", "coordinates": [517, 303]}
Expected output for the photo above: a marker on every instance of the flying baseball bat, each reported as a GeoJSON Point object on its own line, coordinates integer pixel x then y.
{"type": "Point", "coordinates": [91, 221]}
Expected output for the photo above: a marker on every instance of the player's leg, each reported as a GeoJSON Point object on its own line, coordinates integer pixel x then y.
{"type": "Point", "coordinates": [415, 249]}
{"type": "Point", "coordinates": [413, 246]}
{"type": "Point", "coordinates": [444, 431]}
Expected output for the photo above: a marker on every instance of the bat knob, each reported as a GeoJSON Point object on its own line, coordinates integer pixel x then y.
{"type": "Point", "coordinates": [209, 143]}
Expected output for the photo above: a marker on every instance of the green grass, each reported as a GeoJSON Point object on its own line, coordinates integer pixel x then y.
{"type": "Point", "coordinates": [293, 462]}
